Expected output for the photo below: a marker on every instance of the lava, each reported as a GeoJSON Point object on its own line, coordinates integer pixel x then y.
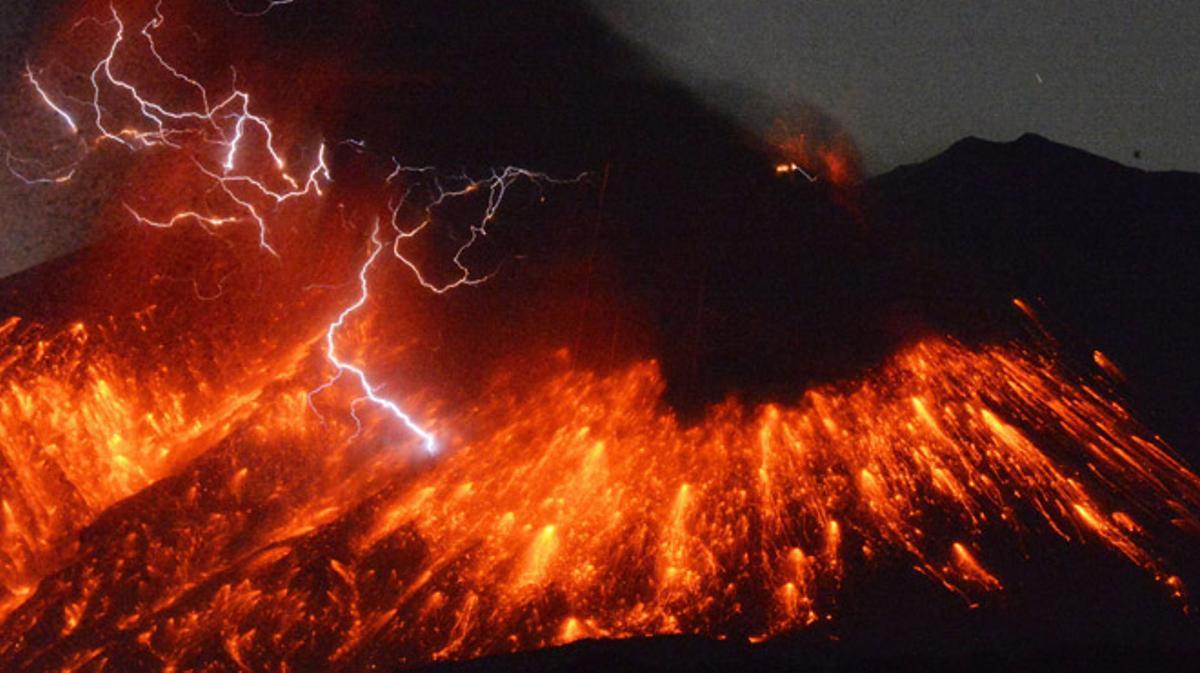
{"type": "Point", "coordinates": [83, 426]}
{"type": "Point", "coordinates": [578, 506]}
{"type": "Point", "coordinates": [194, 506]}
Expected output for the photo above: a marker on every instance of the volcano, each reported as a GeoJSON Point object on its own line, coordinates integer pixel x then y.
{"type": "Point", "coordinates": [535, 361]}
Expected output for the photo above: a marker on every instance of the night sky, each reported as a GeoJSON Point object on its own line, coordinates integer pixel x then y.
{"type": "Point", "coordinates": [904, 78]}
{"type": "Point", "coordinates": [908, 78]}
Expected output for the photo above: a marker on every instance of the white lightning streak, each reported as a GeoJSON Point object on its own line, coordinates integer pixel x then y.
{"type": "Point", "coordinates": [225, 124]}
{"type": "Point", "coordinates": [271, 4]}
{"type": "Point", "coordinates": [48, 101]}
{"type": "Point", "coordinates": [496, 184]}
{"type": "Point", "coordinates": [370, 392]}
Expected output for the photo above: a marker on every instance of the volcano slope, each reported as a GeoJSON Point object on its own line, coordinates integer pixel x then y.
{"type": "Point", "coordinates": [903, 465]}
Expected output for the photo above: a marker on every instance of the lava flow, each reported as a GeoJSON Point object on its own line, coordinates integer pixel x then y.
{"type": "Point", "coordinates": [176, 498]}
{"type": "Point", "coordinates": [578, 507]}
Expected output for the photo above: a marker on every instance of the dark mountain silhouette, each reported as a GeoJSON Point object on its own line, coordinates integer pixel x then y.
{"type": "Point", "coordinates": [736, 279]}
{"type": "Point", "coordinates": [1109, 251]}
{"type": "Point", "coordinates": [741, 281]}
{"type": "Point", "coordinates": [690, 249]}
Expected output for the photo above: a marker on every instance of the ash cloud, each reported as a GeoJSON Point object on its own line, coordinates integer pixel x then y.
{"type": "Point", "coordinates": [907, 79]}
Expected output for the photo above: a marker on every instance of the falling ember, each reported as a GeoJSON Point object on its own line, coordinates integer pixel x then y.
{"type": "Point", "coordinates": [788, 167]}
{"type": "Point", "coordinates": [1108, 366]}
{"type": "Point", "coordinates": [970, 569]}
{"type": "Point", "coordinates": [277, 502]}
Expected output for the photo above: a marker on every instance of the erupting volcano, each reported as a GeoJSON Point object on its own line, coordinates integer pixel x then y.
{"type": "Point", "coordinates": [334, 390]}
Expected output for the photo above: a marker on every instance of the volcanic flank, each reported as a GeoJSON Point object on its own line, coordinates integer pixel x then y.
{"type": "Point", "coordinates": [340, 387]}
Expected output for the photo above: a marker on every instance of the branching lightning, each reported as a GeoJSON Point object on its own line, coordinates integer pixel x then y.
{"type": "Point", "coordinates": [227, 125]}
{"type": "Point", "coordinates": [747, 522]}
{"type": "Point", "coordinates": [496, 185]}
{"type": "Point", "coordinates": [48, 178]}
{"type": "Point", "coordinates": [370, 392]}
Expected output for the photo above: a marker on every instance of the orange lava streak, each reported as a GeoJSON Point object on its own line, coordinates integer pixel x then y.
{"type": "Point", "coordinates": [81, 428]}
{"type": "Point", "coordinates": [589, 492]}
{"type": "Point", "coordinates": [583, 508]}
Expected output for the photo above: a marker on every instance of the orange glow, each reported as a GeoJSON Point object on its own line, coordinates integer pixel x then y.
{"type": "Point", "coordinates": [1103, 362]}
{"type": "Point", "coordinates": [832, 158]}
{"type": "Point", "coordinates": [583, 508]}
{"type": "Point", "coordinates": [191, 504]}
{"type": "Point", "coordinates": [970, 569]}
{"type": "Point", "coordinates": [82, 428]}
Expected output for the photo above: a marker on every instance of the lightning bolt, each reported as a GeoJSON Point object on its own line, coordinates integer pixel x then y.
{"type": "Point", "coordinates": [370, 392]}
{"type": "Point", "coordinates": [266, 9]}
{"type": "Point", "coordinates": [37, 86]}
{"type": "Point", "coordinates": [11, 161]}
{"type": "Point", "coordinates": [225, 125]}
{"type": "Point", "coordinates": [496, 184]}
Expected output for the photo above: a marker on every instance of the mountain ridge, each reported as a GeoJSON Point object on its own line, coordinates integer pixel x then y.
{"type": "Point", "coordinates": [1107, 249]}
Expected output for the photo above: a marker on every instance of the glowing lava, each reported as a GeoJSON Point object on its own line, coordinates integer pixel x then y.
{"type": "Point", "coordinates": [583, 508]}
{"type": "Point", "coordinates": [188, 511]}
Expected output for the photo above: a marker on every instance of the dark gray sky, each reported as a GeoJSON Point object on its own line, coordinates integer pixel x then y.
{"type": "Point", "coordinates": [907, 78]}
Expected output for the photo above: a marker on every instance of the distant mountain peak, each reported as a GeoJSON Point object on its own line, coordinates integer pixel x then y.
{"type": "Point", "coordinates": [1027, 157]}
{"type": "Point", "coordinates": [1023, 146]}
{"type": "Point", "coordinates": [1033, 138]}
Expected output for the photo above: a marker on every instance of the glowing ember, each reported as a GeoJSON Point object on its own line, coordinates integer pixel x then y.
{"type": "Point", "coordinates": [584, 509]}
{"type": "Point", "coordinates": [833, 160]}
